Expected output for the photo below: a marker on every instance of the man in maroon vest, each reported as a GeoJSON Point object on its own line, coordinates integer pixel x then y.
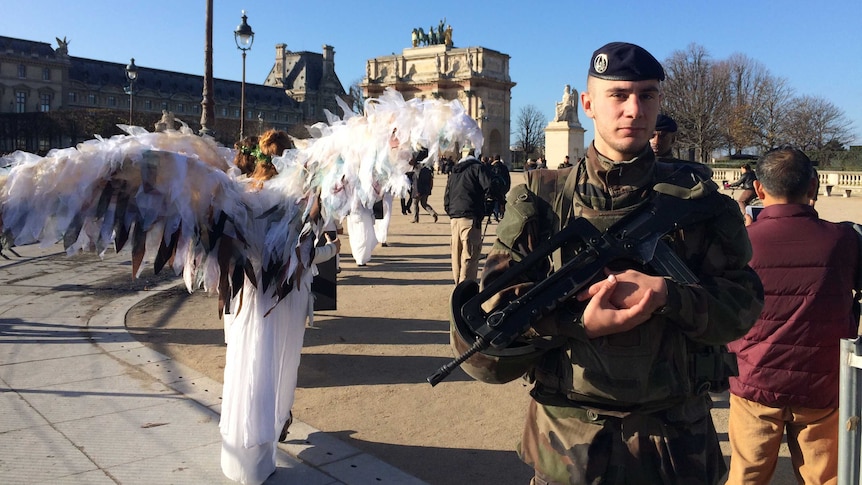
{"type": "Point", "coordinates": [788, 362]}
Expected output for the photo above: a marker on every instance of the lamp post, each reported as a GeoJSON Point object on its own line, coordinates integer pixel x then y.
{"type": "Point", "coordinates": [131, 75]}
{"type": "Point", "coordinates": [207, 104]}
{"type": "Point", "coordinates": [481, 120]}
{"type": "Point", "coordinates": [244, 37]}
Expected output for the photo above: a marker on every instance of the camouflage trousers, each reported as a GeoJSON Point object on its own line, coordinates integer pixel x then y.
{"type": "Point", "coordinates": [577, 445]}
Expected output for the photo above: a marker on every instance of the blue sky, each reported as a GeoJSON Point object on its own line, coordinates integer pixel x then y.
{"type": "Point", "coordinates": [817, 48]}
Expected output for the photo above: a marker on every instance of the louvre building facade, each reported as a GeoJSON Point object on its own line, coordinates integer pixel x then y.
{"type": "Point", "coordinates": [49, 99]}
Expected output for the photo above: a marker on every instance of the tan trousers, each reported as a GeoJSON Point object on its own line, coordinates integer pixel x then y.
{"type": "Point", "coordinates": [755, 433]}
{"type": "Point", "coordinates": [466, 248]}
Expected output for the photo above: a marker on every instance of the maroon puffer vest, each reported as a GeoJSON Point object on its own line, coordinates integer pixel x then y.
{"type": "Point", "coordinates": [808, 268]}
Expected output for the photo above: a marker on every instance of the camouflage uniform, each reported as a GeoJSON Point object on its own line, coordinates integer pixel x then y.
{"type": "Point", "coordinates": [623, 408]}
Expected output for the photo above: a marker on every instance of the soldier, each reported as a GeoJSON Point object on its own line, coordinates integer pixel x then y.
{"type": "Point", "coordinates": [663, 139]}
{"type": "Point", "coordinates": [614, 400]}
{"type": "Point", "coordinates": [664, 136]}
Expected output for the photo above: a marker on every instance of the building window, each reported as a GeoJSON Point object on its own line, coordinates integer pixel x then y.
{"type": "Point", "coordinates": [22, 71]}
{"type": "Point", "coordinates": [73, 97]}
{"type": "Point", "coordinates": [20, 101]}
{"type": "Point", "coordinates": [311, 110]}
{"type": "Point", "coordinates": [112, 101]}
{"type": "Point", "coordinates": [46, 74]}
{"type": "Point", "coordinates": [236, 112]}
{"type": "Point", "coordinates": [45, 102]}
{"type": "Point", "coordinates": [91, 99]}
{"type": "Point", "coordinates": [181, 108]}
{"type": "Point", "coordinates": [148, 105]}
{"type": "Point", "coordinates": [44, 145]}
{"type": "Point", "coordinates": [224, 112]}
{"type": "Point", "coordinates": [164, 106]}
{"type": "Point", "coordinates": [196, 109]}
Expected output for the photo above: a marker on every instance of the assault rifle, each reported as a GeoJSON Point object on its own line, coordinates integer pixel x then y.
{"type": "Point", "coordinates": [636, 237]}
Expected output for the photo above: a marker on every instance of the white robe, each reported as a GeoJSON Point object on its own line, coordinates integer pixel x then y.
{"type": "Point", "coordinates": [360, 230]}
{"type": "Point", "coordinates": [260, 379]}
{"type": "Point", "coordinates": [381, 226]}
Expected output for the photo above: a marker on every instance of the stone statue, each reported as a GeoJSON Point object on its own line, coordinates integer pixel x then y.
{"type": "Point", "coordinates": [415, 38]}
{"type": "Point", "coordinates": [167, 121]}
{"type": "Point", "coordinates": [62, 46]}
{"type": "Point", "coordinates": [567, 108]}
{"type": "Point", "coordinates": [440, 29]}
{"type": "Point", "coordinates": [448, 36]}
{"type": "Point", "coordinates": [432, 36]}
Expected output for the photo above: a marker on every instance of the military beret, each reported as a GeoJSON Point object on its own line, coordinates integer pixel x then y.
{"type": "Point", "coordinates": [621, 61]}
{"type": "Point", "coordinates": [665, 123]}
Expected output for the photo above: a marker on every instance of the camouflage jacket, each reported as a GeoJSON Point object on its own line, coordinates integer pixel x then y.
{"type": "Point", "coordinates": [647, 367]}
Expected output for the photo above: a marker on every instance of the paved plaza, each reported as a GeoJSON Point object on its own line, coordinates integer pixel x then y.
{"type": "Point", "coordinates": [86, 403]}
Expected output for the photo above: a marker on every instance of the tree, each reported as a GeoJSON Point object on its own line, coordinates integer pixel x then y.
{"type": "Point", "coordinates": [812, 123]}
{"type": "Point", "coordinates": [696, 96]}
{"type": "Point", "coordinates": [748, 93]}
{"type": "Point", "coordinates": [357, 100]}
{"type": "Point", "coordinates": [530, 131]}
{"type": "Point", "coordinates": [771, 118]}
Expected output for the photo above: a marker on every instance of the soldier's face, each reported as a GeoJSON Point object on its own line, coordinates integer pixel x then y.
{"type": "Point", "coordinates": [624, 114]}
{"type": "Point", "coordinates": [662, 141]}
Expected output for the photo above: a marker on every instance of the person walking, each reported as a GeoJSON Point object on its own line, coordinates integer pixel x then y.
{"type": "Point", "coordinates": [406, 202]}
{"type": "Point", "coordinates": [464, 201]}
{"type": "Point", "coordinates": [501, 182]}
{"type": "Point", "coordinates": [614, 399]}
{"type": "Point", "coordinates": [789, 360]}
{"type": "Point", "coordinates": [423, 184]}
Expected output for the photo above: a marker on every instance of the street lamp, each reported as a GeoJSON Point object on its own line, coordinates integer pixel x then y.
{"type": "Point", "coordinates": [131, 75]}
{"type": "Point", "coordinates": [481, 120]}
{"type": "Point", "coordinates": [244, 37]}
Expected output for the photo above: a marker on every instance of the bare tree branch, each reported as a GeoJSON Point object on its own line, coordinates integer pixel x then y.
{"type": "Point", "coordinates": [530, 131]}
{"type": "Point", "coordinates": [696, 96]}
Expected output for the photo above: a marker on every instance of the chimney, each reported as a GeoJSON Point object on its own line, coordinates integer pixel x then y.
{"type": "Point", "coordinates": [328, 60]}
{"type": "Point", "coordinates": [280, 58]}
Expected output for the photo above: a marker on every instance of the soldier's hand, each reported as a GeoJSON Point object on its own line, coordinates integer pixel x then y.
{"type": "Point", "coordinates": [621, 302]}
{"type": "Point", "coordinates": [630, 289]}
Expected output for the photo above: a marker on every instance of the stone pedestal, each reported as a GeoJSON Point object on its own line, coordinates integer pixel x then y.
{"type": "Point", "coordinates": [563, 138]}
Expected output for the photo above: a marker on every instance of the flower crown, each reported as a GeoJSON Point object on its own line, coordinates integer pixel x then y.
{"type": "Point", "coordinates": [256, 153]}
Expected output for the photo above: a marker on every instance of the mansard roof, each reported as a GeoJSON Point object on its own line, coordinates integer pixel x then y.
{"type": "Point", "coordinates": [311, 63]}
{"type": "Point", "coordinates": [95, 73]}
{"type": "Point", "coordinates": [28, 48]}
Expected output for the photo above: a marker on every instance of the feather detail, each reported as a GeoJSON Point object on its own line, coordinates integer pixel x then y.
{"type": "Point", "coordinates": [180, 201]}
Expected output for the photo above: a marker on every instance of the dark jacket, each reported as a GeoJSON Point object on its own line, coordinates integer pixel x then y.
{"type": "Point", "coordinates": [808, 268]}
{"type": "Point", "coordinates": [745, 181]}
{"type": "Point", "coordinates": [466, 190]}
{"type": "Point", "coordinates": [501, 180]}
{"type": "Point", "coordinates": [423, 182]}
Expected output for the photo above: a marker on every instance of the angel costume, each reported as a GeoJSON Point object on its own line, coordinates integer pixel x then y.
{"type": "Point", "coordinates": [174, 197]}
